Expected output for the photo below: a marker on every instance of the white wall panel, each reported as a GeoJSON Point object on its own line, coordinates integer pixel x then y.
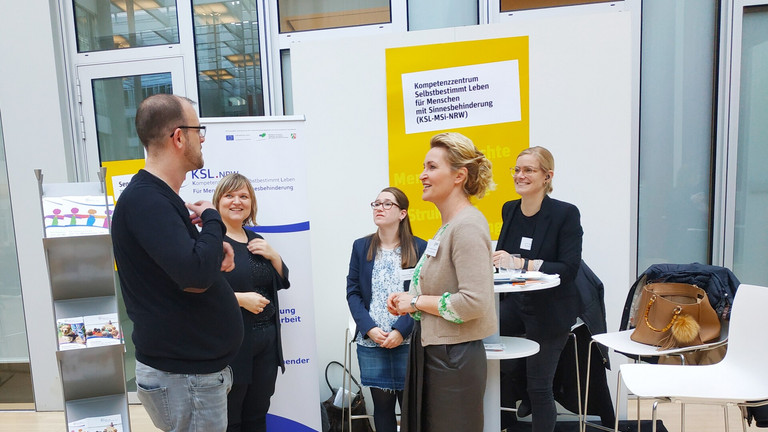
{"type": "Point", "coordinates": [581, 91]}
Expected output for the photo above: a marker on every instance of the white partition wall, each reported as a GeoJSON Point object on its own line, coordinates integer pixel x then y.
{"type": "Point", "coordinates": [582, 88]}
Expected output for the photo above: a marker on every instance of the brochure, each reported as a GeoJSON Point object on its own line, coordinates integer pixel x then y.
{"type": "Point", "coordinates": [108, 423]}
{"type": "Point", "coordinates": [77, 215]}
{"type": "Point", "coordinates": [89, 331]}
{"type": "Point", "coordinates": [71, 333]}
{"type": "Point", "coordinates": [78, 426]}
{"type": "Point", "coordinates": [102, 330]}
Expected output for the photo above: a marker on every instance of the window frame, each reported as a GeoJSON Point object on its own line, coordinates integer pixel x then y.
{"type": "Point", "coordinates": [399, 23]}
{"type": "Point", "coordinates": [496, 16]}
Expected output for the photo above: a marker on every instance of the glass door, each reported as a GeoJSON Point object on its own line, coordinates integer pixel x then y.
{"type": "Point", "coordinates": [746, 236]}
{"type": "Point", "coordinates": [109, 96]}
{"type": "Point", "coordinates": [15, 374]}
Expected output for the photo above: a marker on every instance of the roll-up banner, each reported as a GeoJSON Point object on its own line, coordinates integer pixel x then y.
{"type": "Point", "coordinates": [270, 153]}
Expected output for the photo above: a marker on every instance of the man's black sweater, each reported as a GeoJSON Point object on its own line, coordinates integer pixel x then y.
{"type": "Point", "coordinates": [159, 253]}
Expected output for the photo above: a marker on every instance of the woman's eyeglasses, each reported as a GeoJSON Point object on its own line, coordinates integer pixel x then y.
{"type": "Point", "coordinates": [524, 170]}
{"type": "Point", "coordinates": [386, 205]}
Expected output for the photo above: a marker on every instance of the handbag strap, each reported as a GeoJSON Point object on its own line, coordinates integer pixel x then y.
{"type": "Point", "coordinates": [346, 371]}
{"type": "Point", "coordinates": [675, 314]}
{"type": "Point", "coordinates": [675, 288]}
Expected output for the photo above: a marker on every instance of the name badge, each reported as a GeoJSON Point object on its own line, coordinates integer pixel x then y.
{"type": "Point", "coordinates": [406, 274]}
{"type": "Point", "coordinates": [525, 243]}
{"type": "Point", "coordinates": [432, 246]}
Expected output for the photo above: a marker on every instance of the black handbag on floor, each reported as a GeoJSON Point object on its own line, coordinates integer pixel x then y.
{"type": "Point", "coordinates": [338, 418]}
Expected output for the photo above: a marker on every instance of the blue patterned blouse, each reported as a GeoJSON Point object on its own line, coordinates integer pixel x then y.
{"type": "Point", "coordinates": [385, 280]}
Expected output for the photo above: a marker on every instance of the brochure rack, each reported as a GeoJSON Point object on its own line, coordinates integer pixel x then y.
{"type": "Point", "coordinates": [82, 274]}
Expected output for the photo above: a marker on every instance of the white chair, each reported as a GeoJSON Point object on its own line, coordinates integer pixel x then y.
{"type": "Point", "coordinates": [580, 415]}
{"type": "Point", "coordinates": [740, 379]}
{"type": "Point", "coordinates": [620, 342]}
{"type": "Point", "coordinates": [349, 341]}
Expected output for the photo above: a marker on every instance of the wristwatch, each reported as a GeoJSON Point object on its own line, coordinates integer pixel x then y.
{"type": "Point", "coordinates": [413, 302]}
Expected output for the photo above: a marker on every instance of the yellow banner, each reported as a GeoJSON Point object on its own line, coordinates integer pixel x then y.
{"type": "Point", "coordinates": [476, 88]}
{"type": "Point", "coordinates": [119, 173]}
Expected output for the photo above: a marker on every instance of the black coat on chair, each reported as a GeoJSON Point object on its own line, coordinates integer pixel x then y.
{"type": "Point", "coordinates": [592, 313]}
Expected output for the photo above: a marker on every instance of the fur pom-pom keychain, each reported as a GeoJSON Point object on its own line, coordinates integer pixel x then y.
{"type": "Point", "coordinates": [685, 329]}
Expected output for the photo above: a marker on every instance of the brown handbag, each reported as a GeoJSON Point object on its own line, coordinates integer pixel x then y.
{"type": "Point", "coordinates": [675, 315]}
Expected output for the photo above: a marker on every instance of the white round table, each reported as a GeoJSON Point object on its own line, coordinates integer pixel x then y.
{"type": "Point", "coordinates": [547, 281]}
{"type": "Point", "coordinates": [514, 347]}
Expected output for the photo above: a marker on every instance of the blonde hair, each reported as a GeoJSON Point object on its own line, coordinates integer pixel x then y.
{"type": "Point", "coordinates": [546, 161]}
{"type": "Point", "coordinates": [462, 153]}
{"type": "Point", "coordinates": [233, 182]}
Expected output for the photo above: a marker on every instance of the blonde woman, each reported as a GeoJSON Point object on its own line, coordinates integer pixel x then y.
{"type": "Point", "coordinates": [547, 234]}
{"type": "Point", "coordinates": [451, 297]}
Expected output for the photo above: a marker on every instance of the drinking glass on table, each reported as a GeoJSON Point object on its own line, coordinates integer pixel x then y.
{"type": "Point", "coordinates": [510, 264]}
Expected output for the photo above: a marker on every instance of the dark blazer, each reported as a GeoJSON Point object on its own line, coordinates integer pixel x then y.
{"type": "Point", "coordinates": [359, 288]}
{"type": "Point", "coordinates": [556, 241]}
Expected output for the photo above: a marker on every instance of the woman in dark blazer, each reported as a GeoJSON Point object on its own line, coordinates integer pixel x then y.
{"type": "Point", "coordinates": [547, 235]}
{"type": "Point", "coordinates": [375, 271]}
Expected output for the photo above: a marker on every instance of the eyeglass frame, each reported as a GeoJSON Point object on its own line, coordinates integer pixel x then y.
{"type": "Point", "coordinates": [528, 170]}
{"type": "Point", "coordinates": [383, 204]}
{"type": "Point", "coordinates": [200, 130]}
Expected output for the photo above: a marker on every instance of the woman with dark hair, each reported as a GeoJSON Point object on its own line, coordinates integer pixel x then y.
{"type": "Point", "coordinates": [451, 297]}
{"type": "Point", "coordinates": [259, 273]}
{"type": "Point", "coordinates": [546, 233]}
{"type": "Point", "coordinates": [375, 272]}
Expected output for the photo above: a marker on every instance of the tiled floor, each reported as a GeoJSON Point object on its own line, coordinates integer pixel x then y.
{"type": "Point", "coordinates": [31, 421]}
{"type": "Point", "coordinates": [699, 418]}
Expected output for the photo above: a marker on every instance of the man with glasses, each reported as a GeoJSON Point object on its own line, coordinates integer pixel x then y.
{"type": "Point", "coordinates": [187, 323]}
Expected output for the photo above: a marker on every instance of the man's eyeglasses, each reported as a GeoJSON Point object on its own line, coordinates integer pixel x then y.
{"type": "Point", "coordinates": [524, 170]}
{"type": "Point", "coordinates": [386, 205]}
{"type": "Point", "coordinates": [200, 130]}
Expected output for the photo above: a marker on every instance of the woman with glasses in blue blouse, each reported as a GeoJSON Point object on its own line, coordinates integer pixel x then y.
{"type": "Point", "coordinates": [374, 272]}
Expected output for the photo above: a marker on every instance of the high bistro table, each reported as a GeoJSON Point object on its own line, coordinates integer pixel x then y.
{"type": "Point", "coordinates": [505, 347]}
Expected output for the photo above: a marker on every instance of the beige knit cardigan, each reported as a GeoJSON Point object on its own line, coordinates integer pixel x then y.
{"type": "Point", "coordinates": [462, 267]}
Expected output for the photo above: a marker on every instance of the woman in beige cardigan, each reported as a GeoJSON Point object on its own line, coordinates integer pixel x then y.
{"type": "Point", "coordinates": [451, 295]}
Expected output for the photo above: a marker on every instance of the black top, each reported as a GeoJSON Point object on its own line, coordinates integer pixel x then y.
{"type": "Point", "coordinates": [252, 273]}
{"type": "Point", "coordinates": [526, 227]}
{"type": "Point", "coordinates": [159, 253]}
{"type": "Point", "coordinates": [255, 273]}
